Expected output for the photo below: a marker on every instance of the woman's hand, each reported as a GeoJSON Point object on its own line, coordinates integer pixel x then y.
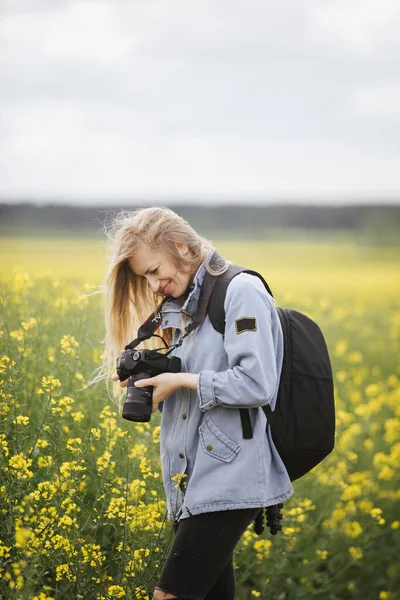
{"type": "Point", "coordinates": [115, 377]}
{"type": "Point", "coordinates": [163, 385]}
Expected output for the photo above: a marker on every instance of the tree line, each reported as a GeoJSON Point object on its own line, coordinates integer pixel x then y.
{"type": "Point", "coordinates": [226, 220]}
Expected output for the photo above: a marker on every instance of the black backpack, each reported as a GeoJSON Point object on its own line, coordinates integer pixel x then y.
{"type": "Point", "coordinates": [303, 422]}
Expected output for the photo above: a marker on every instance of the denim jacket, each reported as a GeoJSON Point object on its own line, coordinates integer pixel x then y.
{"type": "Point", "coordinates": [206, 464]}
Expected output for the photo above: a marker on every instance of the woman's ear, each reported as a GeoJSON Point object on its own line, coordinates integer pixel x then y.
{"type": "Point", "coordinates": [182, 249]}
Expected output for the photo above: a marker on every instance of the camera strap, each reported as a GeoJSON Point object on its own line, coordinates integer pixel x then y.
{"type": "Point", "coordinates": [151, 324]}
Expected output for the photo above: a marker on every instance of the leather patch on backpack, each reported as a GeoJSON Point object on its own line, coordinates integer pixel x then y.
{"type": "Point", "coordinates": [245, 324]}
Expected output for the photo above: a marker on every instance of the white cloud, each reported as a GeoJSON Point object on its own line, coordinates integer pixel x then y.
{"type": "Point", "coordinates": [64, 154]}
{"type": "Point", "coordinates": [380, 101]}
{"type": "Point", "coordinates": [82, 30]}
{"type": "Point", "coordinates": [363, 25]}
{"type": "Point", "coordinates": [112, 97]}
{"type": "Point", "coordinates": [40, 128]}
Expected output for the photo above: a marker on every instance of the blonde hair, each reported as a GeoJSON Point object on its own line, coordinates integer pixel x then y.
{"type": "Point", "coordinates": [129, 299]}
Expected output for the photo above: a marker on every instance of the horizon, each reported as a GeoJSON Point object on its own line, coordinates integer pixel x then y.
{"type": "Point", "coordinates": [209, 202]}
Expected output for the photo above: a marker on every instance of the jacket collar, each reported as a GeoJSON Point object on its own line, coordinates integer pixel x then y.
{"type": "Point", "coordinates": [189, 307]}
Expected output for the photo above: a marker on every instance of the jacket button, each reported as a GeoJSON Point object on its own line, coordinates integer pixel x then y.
{"type": "Point", "coordinates": [184, 416]}
{"type": "Point", "coordinates": [166, 322]}
{"type": "Point", "coordinates": [181, 455]}
{"type": "Point", "coordinates": [209, 447]}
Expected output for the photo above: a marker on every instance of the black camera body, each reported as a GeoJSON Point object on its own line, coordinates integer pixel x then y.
{"type": "Point", "coordinates": [141, 364]}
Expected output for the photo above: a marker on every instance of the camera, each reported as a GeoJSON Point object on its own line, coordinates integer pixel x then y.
{"type": "Point", "coordinates": [141, 364]}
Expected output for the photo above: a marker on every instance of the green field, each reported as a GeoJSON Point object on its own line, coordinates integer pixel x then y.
{"type": "Point", "coordinates": [82, 511]}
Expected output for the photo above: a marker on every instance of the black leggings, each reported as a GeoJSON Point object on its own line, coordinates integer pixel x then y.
{"type": "Point", "coordinates": [199, 565]}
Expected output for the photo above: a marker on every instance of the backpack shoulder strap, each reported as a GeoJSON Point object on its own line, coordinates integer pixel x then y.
{"type": "Point", "coordinates": [216, 313]}
{"type": "Point", "coordinates": [216, 310]}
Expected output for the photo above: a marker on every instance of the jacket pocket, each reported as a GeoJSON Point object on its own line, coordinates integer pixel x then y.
{"type": "Point", "coordinates": [215, 443]}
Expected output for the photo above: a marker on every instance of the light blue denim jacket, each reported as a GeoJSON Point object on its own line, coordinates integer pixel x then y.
{"type": "Point", "coordinates": [201, 432]}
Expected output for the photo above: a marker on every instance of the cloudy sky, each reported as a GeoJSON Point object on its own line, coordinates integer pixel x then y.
{"type": "Point", "coordinates": [255, 99]}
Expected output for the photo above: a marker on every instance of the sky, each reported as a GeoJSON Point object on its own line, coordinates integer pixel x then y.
{"type": "Point", "coordinates": [241, 100]}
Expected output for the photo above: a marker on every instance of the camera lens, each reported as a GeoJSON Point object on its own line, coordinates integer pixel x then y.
{"type": "Point", "coordinates": [139, 401]}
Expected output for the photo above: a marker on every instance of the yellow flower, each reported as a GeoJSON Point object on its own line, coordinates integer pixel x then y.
{"type": "Point", "coordinates": [20, 463]}
{"type": "Point", "coordinates": [352, 491]}
{"type": "Point", "coordinates": [42, 443]}
{"type": "Point", "coordinates": [92, 555]}
{"type": "Point", "coordinates": [386, 473]}
{"type": "Point", "coordinates": [140, 594]}
{"type": "Point", "coordinates": [368, 444]}
{"type": "Point", "coordinates": [22, 536]}
{"type": "Point", "coordinates": [21, 420]}
{"type": "Point", "coordinates": [322, 554]}
{"type": "Point", "coordinates": [116, 591]}
{"type": "Point", "coordinates": [262, 548]}
{"type": "Point", "coordinates": [78, 416]}
{"type": "Point", "coordinates": [351, 586]}
{"type": "Point", "coordinates": [4, 444]}
{"type": "Point", "coordinates": [70, 467]}
{"type": "Point", "coordinates": [74, 445]}
{"type": "Point", "coordinates": [384, 595]}
{"type": "Point", "coordinates": [156, 434]}
{"type": "Point", "coordinates": [67, 522]}
{"type": "Point", "coordinates": [63, 572]}
{"type": "Point", "coordinates": [255, 593]}
{"type": "Point", "coordinates": [366, 505]}
{"type": "Point", "coordinates": [50, 383]}
{"type": "Point", "coordinates": [248, 536]}
{"type": "Point", "coordinates": [5, 362]}
{"type": "Point", "coordinates": [392, 427]}
{"type": "Point", "coordinates": [50, 354]}
{"type": "Point", "coordinates": [355, 552]}
{"type": "Point", "coordinates": [45, 461]}
{"type": "Point", "coordinates": [138, 450]}
{"type": "Point", "coordinates": [341, 347]}
{"type": "Point", "coordinates": [104, 462]}
{"type": "Point", "coordinates": [69, 344]}
{"type": "Point", "coordinates": [341, 376]}
{"type": "Point", "coordinates": [355, 358]}
{"type": "Point", "coordinates": [96, 433]}
{"type": "Point", "coordinates": [17, 335]}
{"type": "Point", "coordinates": [4, 550]}
{"type": "Point", "coordinates": [45, 489]}
{"type": "Point", "coordinates": [179, 477]}
{"type": "Point", "coordinates": [352, 529]}
{"type": "Point", "coordinates": [32, 322]}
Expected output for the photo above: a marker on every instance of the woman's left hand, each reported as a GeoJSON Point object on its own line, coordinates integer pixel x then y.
{"type": "Point", "coordinates": [164, 385]}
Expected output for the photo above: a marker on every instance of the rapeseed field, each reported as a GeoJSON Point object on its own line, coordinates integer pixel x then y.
{"type": "Point", "coordinates": [82, 509]}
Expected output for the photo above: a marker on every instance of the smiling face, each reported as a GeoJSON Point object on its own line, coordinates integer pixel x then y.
{"type": "Point", "coordinates": [160, 273]}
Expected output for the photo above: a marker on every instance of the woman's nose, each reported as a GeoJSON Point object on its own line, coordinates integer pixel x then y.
{"type": "Point", "coordinates": [154, 284]}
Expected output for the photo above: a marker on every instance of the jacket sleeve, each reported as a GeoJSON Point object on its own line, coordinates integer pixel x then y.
{"type": "Point", "coordinates": [251, 379]}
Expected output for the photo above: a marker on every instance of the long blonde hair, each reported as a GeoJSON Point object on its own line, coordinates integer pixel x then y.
{"type": "Point", "coordinates": [129, 299]}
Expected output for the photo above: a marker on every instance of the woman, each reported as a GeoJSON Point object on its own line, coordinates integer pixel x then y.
{"type": "Point", "coordinates": [223, 479]}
